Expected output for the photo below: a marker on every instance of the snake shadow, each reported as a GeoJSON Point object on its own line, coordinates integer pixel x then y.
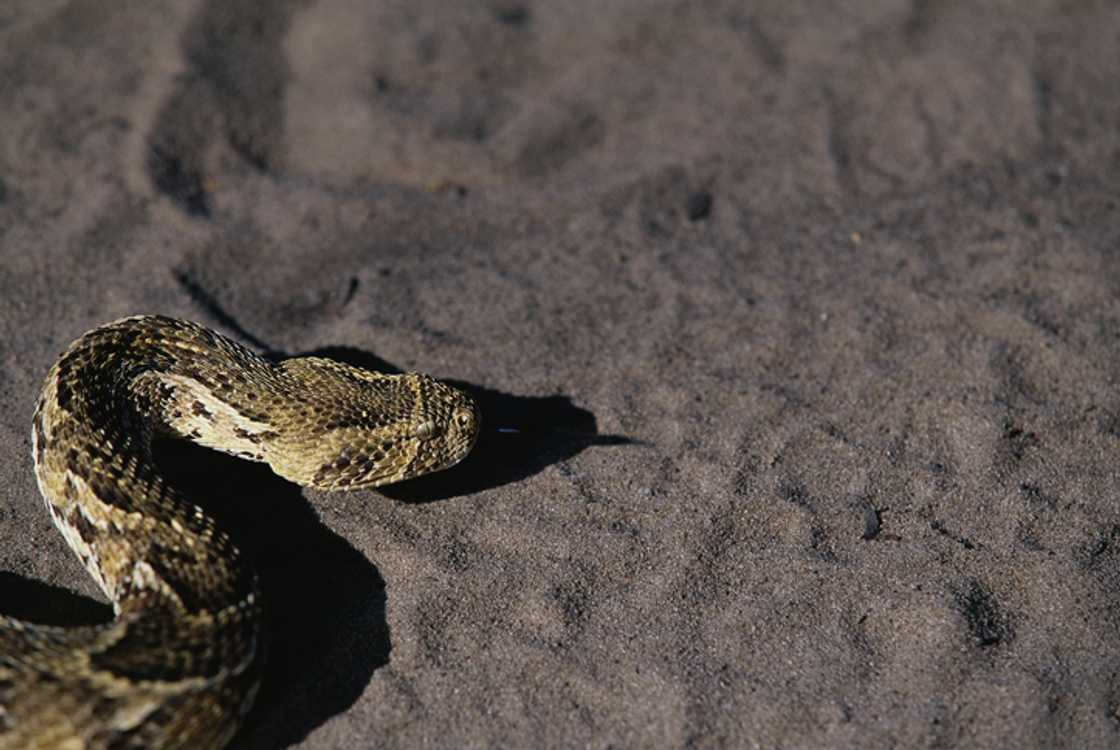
{"type": "Point", "coordinates": [327, 640]}
{"type": "Point", "coordinates": [44, 603]}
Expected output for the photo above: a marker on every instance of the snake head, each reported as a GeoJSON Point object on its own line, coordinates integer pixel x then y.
{"type": "Point", "coordinates": [356, 429]}
{"type": "Point", "coordinates": [443, 430]}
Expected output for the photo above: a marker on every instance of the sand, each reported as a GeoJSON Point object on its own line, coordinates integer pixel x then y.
{"type": "Point", "coordinates": [807, 315]}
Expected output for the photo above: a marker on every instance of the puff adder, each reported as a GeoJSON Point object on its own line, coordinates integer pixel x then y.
{"type": "Point", "coordinates": [179, 665]}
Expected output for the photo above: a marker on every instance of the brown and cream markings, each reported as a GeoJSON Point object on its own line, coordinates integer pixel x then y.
{"type": "Point", "coordinates": [180, 664]}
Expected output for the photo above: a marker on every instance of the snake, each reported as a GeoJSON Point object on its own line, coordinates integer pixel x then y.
{"type": "Point", "coordinates": [179, 664]}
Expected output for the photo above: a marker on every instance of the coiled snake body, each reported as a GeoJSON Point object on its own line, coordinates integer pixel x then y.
{"type": "Point", "coordinates": [179, 665]}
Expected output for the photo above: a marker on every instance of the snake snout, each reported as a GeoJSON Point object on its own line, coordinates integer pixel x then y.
{"type": "Point", "coordinates": [463, 427]}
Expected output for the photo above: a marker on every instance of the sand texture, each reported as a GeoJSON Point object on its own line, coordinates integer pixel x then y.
{"type": "Point", "coordinates": [807, 313]}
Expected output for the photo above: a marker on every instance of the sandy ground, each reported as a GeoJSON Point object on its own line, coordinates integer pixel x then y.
{"type": "Point", "coordinates": [808, 314]}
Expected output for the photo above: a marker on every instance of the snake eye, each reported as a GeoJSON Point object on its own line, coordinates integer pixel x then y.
{"type": "Point", "coordinates": [425, 430]}
{"type": "Point", "coordinates": [463, 419]}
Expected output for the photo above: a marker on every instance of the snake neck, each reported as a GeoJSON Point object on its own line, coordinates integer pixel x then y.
{"type": "Point", "coordinates": [148, 547]}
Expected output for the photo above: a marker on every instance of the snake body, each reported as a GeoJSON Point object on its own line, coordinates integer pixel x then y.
{"type": "Point", "coordinates": [179, 665]}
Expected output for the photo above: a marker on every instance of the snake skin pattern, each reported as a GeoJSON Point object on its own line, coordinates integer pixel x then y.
{"type": "Point", "coordinates": [180, 664]}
